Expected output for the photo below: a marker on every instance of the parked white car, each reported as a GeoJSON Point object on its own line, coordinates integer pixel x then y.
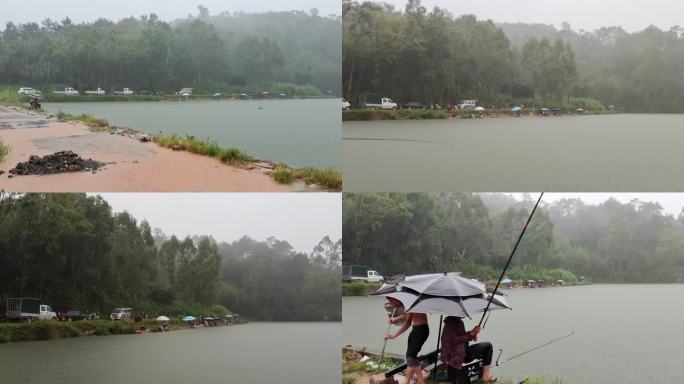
{"type": "Point", "coordinates": [468, 104]}
{"type": "Point", "coordinates": [28, 91]}
{"type": "Point", "coordinates": [345, 104]}
{"type": "Point", "coordinates": [126, 91]}
{"type": "Point", "coordinates": [99, 91]}
{"type": "Point", "coordinates": [67, 91]}
{"type": "Point", "coordinates": [120, 313]}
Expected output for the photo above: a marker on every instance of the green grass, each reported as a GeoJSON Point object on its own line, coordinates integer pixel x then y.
{"type": "Point", "coordinates": [234, 156]}
{"type": "Point", "coordinates": [283, 174]}
{"type": "Point", "coordinates": [358, 288]}
{"type": "Point", "coordinates": [4, 150]}
{"type": "Point", "coordinates": [89, 120]}
{"type": "Point", "coordinates": [9, 96]}
{"type": "Point", "coordinates": [401, 114]}
{"type": "Point", "coordinates": [330, 179]}
{"type": "Point", "coordinates": [52, 329]}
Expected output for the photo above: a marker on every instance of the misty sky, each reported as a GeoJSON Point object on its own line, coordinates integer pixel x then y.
{"type": "Point", "coordinates": [302, 219]}
{"type": "Point", "coordinates": [672, 203]}
{"type": "Point", "coordinates": [20, 11]}
{"type": "Point", "coordinates": [632, 15]}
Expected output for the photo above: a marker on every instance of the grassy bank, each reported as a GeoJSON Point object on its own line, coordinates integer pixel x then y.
{"type": "Point", "coordinates": [329, 179]}
{"type": "Point", "coordinates": [400, 114]}
{"type": "Point", "coordinates": [51, 329]}
{"type": "Point", "coordinates": [9, 96]}
{"type": "Point", "coordinates": [354, 371]}
{"type": "Point", "coordinates": [419, 114]}
{"type": "Point", "coordinates": [359, 288]}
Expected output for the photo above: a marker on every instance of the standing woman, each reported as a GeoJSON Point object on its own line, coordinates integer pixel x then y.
{"type": "Point", "coordinates": [416, 339]}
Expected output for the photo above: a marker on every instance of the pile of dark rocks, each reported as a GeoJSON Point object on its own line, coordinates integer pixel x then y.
{"type": "Point", "coordinates": [59, 162]}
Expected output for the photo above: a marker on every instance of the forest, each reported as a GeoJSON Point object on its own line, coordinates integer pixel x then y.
{"type": "Point", "coordinates": [614, 242]}
{"type": "Point", "coordinates": [296, 53]}
{"type": "Point", "coordinates": [72, 251]}
{"type": "Point", "coordinates": [434, 57]}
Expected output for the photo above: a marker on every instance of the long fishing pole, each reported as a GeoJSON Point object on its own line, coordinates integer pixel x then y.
{"type": "Point", "coordinates": [530, 350]}
{"type": "Point", "coordinates": [382, 355]}
{"type": "Point", "coordinates": [489, 303]}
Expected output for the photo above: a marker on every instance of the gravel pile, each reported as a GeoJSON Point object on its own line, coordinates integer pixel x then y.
{"type": "Point", "coordinates": [60, 162]}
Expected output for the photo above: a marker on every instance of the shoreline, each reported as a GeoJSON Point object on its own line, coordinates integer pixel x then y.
{"type": "Point", "coordinates": [365, 114]}
{"type": "Point", "coordinates": [131, 165]}
{"type": "Point", "coordinates": [43, 330]}
{"type": "Point", "coordinates": [363, 289]}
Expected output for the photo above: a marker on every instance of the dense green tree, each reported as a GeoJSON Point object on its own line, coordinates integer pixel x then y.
{"type": "Point", "coordinates": [73, 252]}
{"type": "Point", "coordinates": [421, 233]}
{"type": "Point", "coordinates": [239, 52]}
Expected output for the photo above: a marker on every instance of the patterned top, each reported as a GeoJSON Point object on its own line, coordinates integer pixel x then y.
{"type": "Point", "coordinates": [454, 341]}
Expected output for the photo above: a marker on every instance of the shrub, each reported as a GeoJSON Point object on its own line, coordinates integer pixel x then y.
{"type": "Point", "coordinates": [4, 150]}
{"type": "Point", "coordinates": [283, 174]}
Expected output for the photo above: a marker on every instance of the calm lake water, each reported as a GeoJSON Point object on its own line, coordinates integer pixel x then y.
{"type": "Point", "coordinates": [296, 132]}
{"type": "Point", "coordinates": [619, 153]}
{"type": "Point", "coordinates": [290, 353]}
{"type": "Point", "coordinates": [623, 333]}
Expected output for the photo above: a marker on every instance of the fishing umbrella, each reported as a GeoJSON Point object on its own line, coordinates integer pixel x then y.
{"type": "Point", "coordinates": [162, 318]}
{"type": "Point", "coordinates": [189, 318]}
{"type": "Point", "coordinates": [447, 284]}
{"type": "Point", "coordinates": [479, 109]}
{"type": "Point", "coordinates": [448, 306]}
{"type": "Point", "coordinates": [516, 109]}
{"type": "Point", "coordinates": [506, 280]}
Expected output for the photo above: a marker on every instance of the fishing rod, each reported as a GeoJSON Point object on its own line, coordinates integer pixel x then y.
{"type": "Point", "coordinates": [530, 350]}
{"type": "Point", "coordinates": [382, 355]}
{"type": "Point", "coordinates": [489, 303]}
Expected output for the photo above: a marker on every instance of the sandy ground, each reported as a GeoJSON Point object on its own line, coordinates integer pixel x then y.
{"type": "Point", "coordinates": [132, 166]}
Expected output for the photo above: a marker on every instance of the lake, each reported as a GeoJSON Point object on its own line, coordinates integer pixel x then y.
{"type": "Point", "coordinates": [623, 333]}
{"type": "Point", "coordinates": [617, 153]}
{"type": "Point", "coordinates": [289, 353]}
{"type": "Point", "coordinates": [296, 132]}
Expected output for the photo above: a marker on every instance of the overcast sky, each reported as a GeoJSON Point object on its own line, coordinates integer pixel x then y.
{"type": "Point", "coordinates": [302, 219]}
{"type": "Point", "coordinates": [672, 203]}
{"type": "Point", "coordinates": [20, 11]}
{"type": "Point", "coordinates": [632, 15]}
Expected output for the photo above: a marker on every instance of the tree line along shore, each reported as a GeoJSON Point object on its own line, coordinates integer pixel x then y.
{"type": "Point", "coordinates": [432, 57]}
{"type": "Point", "coordinates": [570, 240]}
{"type": "Point", "coordinates": [83, 256]}
{"type": "Point", "coordinates": [295, 53]}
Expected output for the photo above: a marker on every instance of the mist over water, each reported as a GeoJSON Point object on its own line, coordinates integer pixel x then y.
{"type": "Point", "coordinates": [623, 333]}
{"type": "Point", "coordinates": [300, 133]}
{"type": "Point", "coordinates": [289, 353]}
{"type": "Point", "coordinates": [619, 153]}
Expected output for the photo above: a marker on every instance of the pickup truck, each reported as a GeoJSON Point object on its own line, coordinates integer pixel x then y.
{"type": "Point", "coordinates": [374, 100]}
{"type": "Point", "coordinates": [99, 91]}
{"type": "Point", "coordinates": [28, 309]}
{"type": "Point", "coordinates": [67, 91]}
{"type": "Point", "coordinates": [126, 91]}
{"type": "Point", "coordinates": [360, 272]}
